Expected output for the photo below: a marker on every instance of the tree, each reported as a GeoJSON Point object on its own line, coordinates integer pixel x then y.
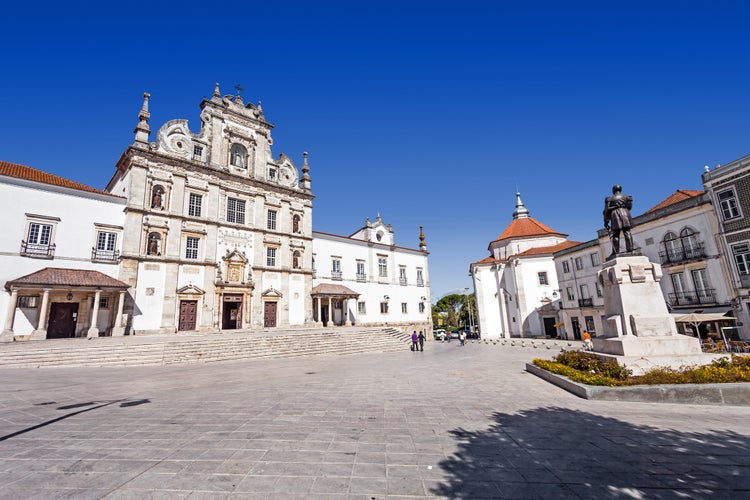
{"type": "Point", "coordinates": [452, 304]}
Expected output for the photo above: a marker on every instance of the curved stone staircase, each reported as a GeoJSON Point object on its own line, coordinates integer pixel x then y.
{"type": "Point", "coordinates": [201, 348]}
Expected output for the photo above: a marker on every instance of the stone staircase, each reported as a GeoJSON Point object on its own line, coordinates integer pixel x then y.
{"type": "Point", "coordinates": [201, 348]}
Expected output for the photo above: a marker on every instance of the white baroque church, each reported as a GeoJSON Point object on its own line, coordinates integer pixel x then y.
{"type": "Point", "coordinates": [516, 284]}
{"type": "Point", "coordinates": [196, 231]}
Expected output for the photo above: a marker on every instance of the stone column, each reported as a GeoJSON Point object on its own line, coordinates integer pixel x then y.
{"type": "Point", "coordinates": [331, 321]}
{"type": "Point", "coordinates": [345, 305]}
{"type": "Point", "coordinates": [320, 318]}
{"type": "Point", "coordinates": [93, 330]}
{"type": "Point", "coordinates": [41, 327]}
{"type": "Point", "coordinates": [10, 314]}
{"type": "Point", "coordinates": [119, 330]}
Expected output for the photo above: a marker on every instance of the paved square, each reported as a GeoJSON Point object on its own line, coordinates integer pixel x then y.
{"type": "Point", "coordinates": [449, 422]}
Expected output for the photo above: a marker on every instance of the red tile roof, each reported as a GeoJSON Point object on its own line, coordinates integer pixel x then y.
{"type": "Point", "coordinates": [526, 227]}
{"type": "Point", "coordinates": [548, 249]}
{"type": "Point", "coordinates": [58, 277]}
{"type": "Point", "coordinates": [330, 289]}
{"type": "Point", "coordinates": [676, 197]}
{"type": "Point", "coordinates": [23, 172]}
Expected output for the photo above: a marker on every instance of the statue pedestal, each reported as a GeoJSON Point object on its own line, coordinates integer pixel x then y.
{"type": "Point", "coordinates": [639, 332]}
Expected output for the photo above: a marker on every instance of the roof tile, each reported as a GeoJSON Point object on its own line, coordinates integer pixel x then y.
{"type": "Point", "coordinates": [676, 197]}
{"type": "Point", "coordinates": [55, 276]}
{"type": "Point", "coordinates": [23, 172]}
{"type": "Point", "coordinates": [526, 227]}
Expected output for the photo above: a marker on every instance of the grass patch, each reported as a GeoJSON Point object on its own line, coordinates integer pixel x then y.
{"type": "Point", "coordinates": [586, 368]}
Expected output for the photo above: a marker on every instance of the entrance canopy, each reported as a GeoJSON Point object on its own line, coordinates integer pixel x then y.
{"type": "Point", "coordinates": [55, 277]}
{"type": "Point", "coordinates": [337, 291]}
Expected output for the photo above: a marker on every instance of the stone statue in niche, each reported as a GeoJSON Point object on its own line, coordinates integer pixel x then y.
{"type": "Point", "coordinates": [156, 198]}
{"type": "Point", "coordinates": [153, 244]}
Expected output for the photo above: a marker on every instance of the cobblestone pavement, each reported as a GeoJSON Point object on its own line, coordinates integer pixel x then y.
{"type": "Point", "coordinates": [450, 422]}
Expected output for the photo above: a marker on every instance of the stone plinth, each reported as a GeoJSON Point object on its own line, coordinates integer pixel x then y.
{"type": "Point", "coordinates": [639, 332]}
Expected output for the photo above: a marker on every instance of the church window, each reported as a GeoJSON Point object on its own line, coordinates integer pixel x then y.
{"type": "Point", "coordinates": [238, 156]}
{"type": "Point", "coordinates": [195, 202]}
{"type": "Point", "coordinates": [197, 153]}
{"type": "Point", "coordinates": [191, 247]}
{"type": "Point", "coordinates": [543, 278]}
{"type": "Point", "coordinates": [272, 174]}
{"type": "Point", "coordinates": [271, 220]}
{"type": "Point", "coordinates": [271, 257]}
{"type": "Point", "coordinates": [235, 211]}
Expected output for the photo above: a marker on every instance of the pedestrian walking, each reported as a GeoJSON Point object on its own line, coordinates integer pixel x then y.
{"type": "Point", "coordinates": [414, 341]}
{"type": "Point", "coordinates": [587, 344]}
{"type": "Point", "coordinates": [420, 337]}
{"type": "Point", "coordinates": [462, 337]}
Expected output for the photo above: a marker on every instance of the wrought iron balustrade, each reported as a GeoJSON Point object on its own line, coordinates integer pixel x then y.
{"type": "Point", "coordinates": [104, 255]}
{"type": "Point", "coordinates": [678, 255]}
{"type": "Point", "coordinates": [361, 277]}
{"type": "Point", "coordinates": [586, 302]}
{"type": "Point", "coordinates": [38, 250]}
{"type": "Point", "coordinates": [336, 275]}
{"type": "Point", "coordinates": [700, 297]}
{"type": "Point", "coordinates": [402, 281]}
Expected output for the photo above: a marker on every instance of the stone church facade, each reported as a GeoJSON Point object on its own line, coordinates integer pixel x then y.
{"type": "Point", "coordinates": [218, 232]}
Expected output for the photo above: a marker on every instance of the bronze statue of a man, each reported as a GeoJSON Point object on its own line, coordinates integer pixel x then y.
{"type": "Point", "coordinates": [617, 213]}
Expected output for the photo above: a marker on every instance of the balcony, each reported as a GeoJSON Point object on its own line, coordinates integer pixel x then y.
{"type": "Point", "coordinates": [420, 282]}
{"type": "Point", "coordinates": [586, 302]}
{"type": "Point", "coordinates": [402, 281]}
{"type": "Point", "coordinates": [678, 255]}
{"type": "Point", "coordinates": [108, 256]}
{"type": "Point", "coordinates": [707, 296]}
{"type": "Point", "coordinates": [38, 250]}
{"type": "Point", "coordinates": [336, 275]}
{"type": "Point", "coordinates": [361, 277]}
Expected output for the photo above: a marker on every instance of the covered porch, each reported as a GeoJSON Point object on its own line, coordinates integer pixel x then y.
{"type": "Point", "coordinates": [331, 305]}
{"type": "Point", "coordinates": [64, 303]}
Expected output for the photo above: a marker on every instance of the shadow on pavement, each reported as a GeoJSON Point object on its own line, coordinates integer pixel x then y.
{"type": "Point", "coordinates": [562, 453]}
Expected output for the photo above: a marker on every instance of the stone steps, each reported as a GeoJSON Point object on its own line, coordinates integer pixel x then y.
{"type": "Point", "coordinates": [163, 350]}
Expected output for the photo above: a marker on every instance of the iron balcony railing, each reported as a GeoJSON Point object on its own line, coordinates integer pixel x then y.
{"type": "Point", "coordinates": [361, 277]}
{"type": "Point", "coordinates": [678, 255]}
{"type": "Point", "coordinates": [336, 275]}
{"type": "Point", "coordinates": [402, 281]}
{"type": "Point", "coordinates": [420, 282]}
{"type": "Point", "coordinates": [38, 250]}
{"type": "Point", "coordinates": [707, 296]}
{"type": "Point", "coordinates": [104, 255]}
{"type": "Point", "coordinates": [586, 302]}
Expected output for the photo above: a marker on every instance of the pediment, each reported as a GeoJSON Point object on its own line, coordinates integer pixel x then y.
{"type": "Point", "coordinates": [235, 257]}
{"type": "Point", "coordinates": [272, 292]}
{"type": "Point", "coordinates": [190, 290]}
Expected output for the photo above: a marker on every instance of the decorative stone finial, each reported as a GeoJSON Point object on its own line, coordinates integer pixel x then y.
{"type": "Point", "coordinates": [378, 218]}
{"type": "Point", "coordinates": [216, 90]}
{"type": "Point", "coordinates": [521, 212]}
{"type": "Point", "coordinates": [142, 130]}
{"type": "Point", "coordinates": [305, 172]}
{"type": "Point", "coordinates": [422, 244]}
{"type": "Point", "coordinates": [367, 222]}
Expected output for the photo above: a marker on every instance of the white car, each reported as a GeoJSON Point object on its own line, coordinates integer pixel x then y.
{"type": "Point", "coordinates": [439, 334]}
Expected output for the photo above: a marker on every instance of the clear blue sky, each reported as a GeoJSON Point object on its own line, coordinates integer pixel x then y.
{"type": "Point", "coordinates": [429, 113]}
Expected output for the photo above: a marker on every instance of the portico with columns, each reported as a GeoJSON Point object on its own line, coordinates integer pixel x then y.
{"type": "Point", "coordinates": [64, 303]}
{"type": "Point", "coordinates": [332, 306]}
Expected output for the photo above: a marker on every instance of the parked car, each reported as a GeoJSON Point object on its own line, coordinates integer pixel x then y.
{"type": "Point", "coordinates": [439, 334]}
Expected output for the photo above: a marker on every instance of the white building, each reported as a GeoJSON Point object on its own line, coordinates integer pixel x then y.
{"type": "Point", "coordinates": [59, 251]}
{"type": "Point", "coordinates": [218, 233]}
{"type": "Point", "coordinates": [580, 297]}
{"type": "Point", "coordinates": [514, 286]}
{"type": "Point", "coordinates": [197, 231]}
{"type": "Point", "coordinates": [366, 279]}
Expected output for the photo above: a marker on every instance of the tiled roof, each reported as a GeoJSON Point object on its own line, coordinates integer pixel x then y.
{"type": "Point", "coordinates": [676, 197]}
{"type": "Point", "coordinates": [526, 227]}
{"type": "Point", "coordinates": [330, 289]}
{"type": "Point", "coordinates": [23, 172]}
{"type": "Point", "coordinates": [487, 260]}
{"type": "Point", "coordinates": [548, 249]}
{"type": "Point", "coordinates": [55, 276]}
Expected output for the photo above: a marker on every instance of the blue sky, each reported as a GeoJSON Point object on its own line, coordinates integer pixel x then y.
{"type": "Point", "coordinates": [429, 113]}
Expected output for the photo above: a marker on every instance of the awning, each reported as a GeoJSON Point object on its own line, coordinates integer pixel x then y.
{"type": "Point", "coordinates": [701, 310]}
{"type": "Point", "coordinates": [329, 290]}
{"type": "Point", "coordinates": [701, 317]}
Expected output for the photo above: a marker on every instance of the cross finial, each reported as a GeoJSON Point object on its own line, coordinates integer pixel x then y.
{"type": "Point", "coordinates": [238, 89]}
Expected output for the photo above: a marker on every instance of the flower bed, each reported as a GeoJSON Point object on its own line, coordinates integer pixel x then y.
{"type": "Point", "coordinates": [586, 368]}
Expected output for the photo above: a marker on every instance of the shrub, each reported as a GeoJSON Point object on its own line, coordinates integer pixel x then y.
{"type": "Point", "coordinates": [586, 368]}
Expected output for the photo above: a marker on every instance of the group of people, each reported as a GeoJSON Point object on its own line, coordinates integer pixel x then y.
{"type": "Point", "coordinates": [417, 341]}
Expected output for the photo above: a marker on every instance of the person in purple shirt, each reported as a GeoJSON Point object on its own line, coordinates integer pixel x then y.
{"type": "Point", "coordinates": [414, 341]}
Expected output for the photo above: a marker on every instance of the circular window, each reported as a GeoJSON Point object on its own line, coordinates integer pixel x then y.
{"type": "Point", "coordinates": [379, 236]}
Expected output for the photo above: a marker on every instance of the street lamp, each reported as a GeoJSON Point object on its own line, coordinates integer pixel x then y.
{"type": "Point", "coordinates": [471, 313]}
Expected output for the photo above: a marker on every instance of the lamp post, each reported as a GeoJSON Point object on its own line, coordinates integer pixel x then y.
{"type": "Point", "coordinates": [471, 312]}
